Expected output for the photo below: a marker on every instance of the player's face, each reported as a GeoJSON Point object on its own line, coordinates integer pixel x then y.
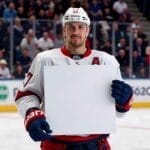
{"type": "Point", "coordinates": [76, 33]}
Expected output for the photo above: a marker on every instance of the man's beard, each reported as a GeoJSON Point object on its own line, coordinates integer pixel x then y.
{"type": "Point", "coordinates": [76, 44]}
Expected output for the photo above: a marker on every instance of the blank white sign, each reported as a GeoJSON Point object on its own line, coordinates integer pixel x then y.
{"type": "Point", "coordinates": [78, 99]}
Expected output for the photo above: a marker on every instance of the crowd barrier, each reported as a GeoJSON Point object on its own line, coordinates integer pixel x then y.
{"type": "Point", "coordinates": [8, 88]}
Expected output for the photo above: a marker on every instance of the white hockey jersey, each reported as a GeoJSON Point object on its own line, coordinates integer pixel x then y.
{"type": "Point", "coordinates": [32, 91]}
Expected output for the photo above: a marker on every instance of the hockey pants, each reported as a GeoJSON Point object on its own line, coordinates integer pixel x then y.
{"type": "Point", "coordinates": [101, 144]}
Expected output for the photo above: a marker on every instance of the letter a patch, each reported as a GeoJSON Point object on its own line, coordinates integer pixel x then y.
{"type": "Point", "coordinates": [95, 61]}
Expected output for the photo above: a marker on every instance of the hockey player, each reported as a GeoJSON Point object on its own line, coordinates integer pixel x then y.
{"type": "Point", "coordinates": [29, 98]}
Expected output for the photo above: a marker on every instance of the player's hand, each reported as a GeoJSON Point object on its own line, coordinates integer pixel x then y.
{"type": "Point", "coordinates": [37, 126]}
{"type": "Point", "coordinates": [121, 91]}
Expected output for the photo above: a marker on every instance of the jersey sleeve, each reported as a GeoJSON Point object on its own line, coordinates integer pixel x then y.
{"type": "Point", "coordinates": [30, 94]}
{"type": "Point", "coordinates": [117, 66]}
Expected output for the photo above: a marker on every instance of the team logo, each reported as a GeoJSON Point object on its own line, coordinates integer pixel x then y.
{"type": "Point", "coordinates": [75, 10]}
{"type": "Point", "coordinates": [4, 92]}
{"type": "Point", "coordinates": [96, 61]}
{"type": "Point", "coordinates": [76, 57]}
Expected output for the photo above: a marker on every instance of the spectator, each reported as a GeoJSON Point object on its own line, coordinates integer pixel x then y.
{"type": "Point", "coordinates": [107, 47]}
{"type": "Point", "coordinates": [118, 33]}
{"type": "Point", "coordinates": [30, 42]}
{"type": "Point", "coordinates": [10, 13]}
{"type": "Point", "coordinates": [59, 9]}
{"type": "Point", "coordinates": [102, 33]}
{"type": "Point", "coordinates": [107, 4]}
{"type": "Point", "coordinates": [125, 17]}
{"type": "Point", "coordinates": [21, 12]}
{"type": "Point", "coordinates": [37, 7]}
{"type": "Point", "coordinates": [105, 30]}
{"type": "Point", "coordinates": [119, 6]}
{"type": "Point", "coordinates": [41, 14]}
{"type": "Point", "coordinates": [58, 25]}
{"type": "Point", "coordinates": [59, 41]}
{"type": "Point", "coordinates": [122, 44]}
{"type": "Point", "coordinates": [18, 73]}
{"type": "Point", "coordinates": [127, 72]}
{"type": "Point", "coordinates": [45, 42]}
{"type": "Point", "coordinates": [32, 23]}
{"type": "Point", "coordinates": [4, 70]}
{"type": "Point", "coordinates": [95, 9]}
{"type": "Point", "coordinates": [122, 59]}
{"type": "Point", "coordinates": [139, 46]}
{"type": "Point", "coordinates": [136, 24]}
{"type": "Point", "coordinates": [137, 29]}
{"type": "Point", "coordinates": [142, 74]}
{"type": "Point", "coordinates": [18, 31]}
{"type": "Point", "coordinates": [51, 34]}
{"type": "Point", "coordinates": [50, 9]}
{"type": "Point", "coordinates": [107, 10]}
{"type": "Point", "coordinates": [137, 61]}
{"type": "Point", "coordinates": [107, 15]}
{"type": "Point", "coordinates": [25, 59]}
{"type": "Point", "coordinates": [48, 4]}
{"type": "Point", "coordinates": [141, 34]}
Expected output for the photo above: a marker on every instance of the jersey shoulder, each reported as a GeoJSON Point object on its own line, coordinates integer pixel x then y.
{"type": "Point", "coordinates": [110, 59]}
{"type": "Point", "coordinates": [46, 56]}
{"type": "Point", "coordinates": [49, 53]}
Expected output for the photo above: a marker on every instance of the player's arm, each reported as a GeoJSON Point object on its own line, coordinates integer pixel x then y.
{"type": "Point", "coordinates": [30, 93]}
{"type": "Point", "coordinates": [29, 99]}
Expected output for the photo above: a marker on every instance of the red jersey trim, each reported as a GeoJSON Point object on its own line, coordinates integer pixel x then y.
{"type": "Point", "coordinates": [127, 106]}
{"type": "Point", "coordinates": [26, 93]}
{"type": "Point", "coordinates": [67, 138]}
{"type": "Point", "coordinates": [31, 116]}
{"type": "Point", "coordinates": [65, 51]}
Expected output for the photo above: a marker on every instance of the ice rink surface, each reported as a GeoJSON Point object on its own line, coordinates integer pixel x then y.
{"type": "Point", "coordinates": [133, 132]}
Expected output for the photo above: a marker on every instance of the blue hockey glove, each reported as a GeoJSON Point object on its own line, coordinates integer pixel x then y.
{"type": "Point", "coordinates": [121, 91]}
{"type": "Point", "coordinates": [36, 125]}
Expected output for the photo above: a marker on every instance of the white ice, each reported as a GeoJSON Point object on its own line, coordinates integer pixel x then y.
{"type": "Point", "coordinates": [133, 132]}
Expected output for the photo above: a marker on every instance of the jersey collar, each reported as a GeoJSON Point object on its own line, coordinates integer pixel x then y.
{"type": "Point", "coordinates": [65, 51]}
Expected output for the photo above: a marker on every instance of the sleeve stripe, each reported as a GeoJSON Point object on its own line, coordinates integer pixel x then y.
{"type": "Point", "coordinates": [26, 93]}
{"type": "Point", "coordinates": [125, 107]}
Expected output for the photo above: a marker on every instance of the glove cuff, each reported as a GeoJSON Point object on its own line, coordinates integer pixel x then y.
{"type": "Point", "coordinates": [31, 115]}
{"type": "Point", "coordinates": [126, 106]}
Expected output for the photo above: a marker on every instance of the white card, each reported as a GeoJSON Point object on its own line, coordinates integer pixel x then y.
{"type": "Point", "coordinates": [78, 99]}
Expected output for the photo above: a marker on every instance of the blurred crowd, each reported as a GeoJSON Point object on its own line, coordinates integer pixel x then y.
{"type": "Point", "coordinates": [30, 26]}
